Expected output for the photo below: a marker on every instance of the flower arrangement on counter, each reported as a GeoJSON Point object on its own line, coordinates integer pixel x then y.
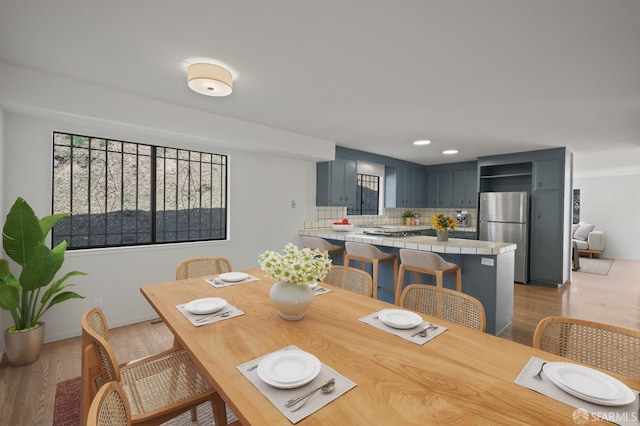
{"type": "Point", "coordinates": [294, 265]}
{"type": "Point", "coordinates": [441, 222]}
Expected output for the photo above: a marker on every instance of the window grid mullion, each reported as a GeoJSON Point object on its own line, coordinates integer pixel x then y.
{"type": "Point", "coordinates": [212, 201]}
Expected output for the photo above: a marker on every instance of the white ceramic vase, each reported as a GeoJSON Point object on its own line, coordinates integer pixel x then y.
{"type": "Point", "coordinates": [291, 299]}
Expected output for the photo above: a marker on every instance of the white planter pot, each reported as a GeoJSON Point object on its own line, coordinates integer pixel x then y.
{"type": "Point", "coordinates": [24, 348]}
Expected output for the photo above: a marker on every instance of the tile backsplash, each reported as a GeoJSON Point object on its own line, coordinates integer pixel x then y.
{"type": "Point", "coordinates": [326, 215]}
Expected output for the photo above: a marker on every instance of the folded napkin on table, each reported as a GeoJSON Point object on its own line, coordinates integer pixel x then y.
{"type": "Point", "coordinates": [320, 290]}
{"type": "Point", "coordinates": [233, 312]}
{"type": "Point", "coordinates": [622, 415]}
{"type": "Point", "coordinates": [407, 334]}
{"type": "Point", "coordinates": [278, 397]}
{"type": "Point", "coordinates": [216, 282]}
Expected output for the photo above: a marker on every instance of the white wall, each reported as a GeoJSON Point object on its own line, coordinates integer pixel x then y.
{"type": "Point", "coordinates": [262, 187]}
{"type": "Point", "coordinates": [612, 204]}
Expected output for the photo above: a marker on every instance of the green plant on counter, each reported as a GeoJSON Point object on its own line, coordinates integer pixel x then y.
{"type": "Point", "coordinates": [408, 213]}
{"type": "Point", "coordinates": [27, 297]}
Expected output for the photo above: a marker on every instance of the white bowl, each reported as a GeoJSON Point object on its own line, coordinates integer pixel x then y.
{"type": "Point", "coordinates": [341, 227]}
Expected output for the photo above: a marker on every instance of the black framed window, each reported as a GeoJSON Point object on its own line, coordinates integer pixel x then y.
{"type": "Point", "coordinates": [367, 196]}
{"type": "Point", "coordinates": [126, 193]}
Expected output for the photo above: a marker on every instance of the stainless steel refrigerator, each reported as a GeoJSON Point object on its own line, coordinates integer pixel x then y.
{"type": "Point", "coordinates": [504, 217]}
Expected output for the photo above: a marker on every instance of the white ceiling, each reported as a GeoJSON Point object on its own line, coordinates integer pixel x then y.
{"type": "Point", "coordinates": [482, 76]}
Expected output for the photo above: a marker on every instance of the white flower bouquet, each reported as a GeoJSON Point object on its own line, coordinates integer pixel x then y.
{"type": "Point", "coordinates": [294, 265]}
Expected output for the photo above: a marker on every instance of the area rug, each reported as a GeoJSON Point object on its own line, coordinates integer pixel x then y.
{"type": "Point", "coordinates": [595, 266]}
{"type": "Point", "coordinates": [66, 408]}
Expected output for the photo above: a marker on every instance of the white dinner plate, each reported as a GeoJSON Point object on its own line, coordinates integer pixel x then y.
{"type": "Point", "coordinates": [207, 305]}
{"type": "Point", "coordinates": [589, 384]}
{"type": "Point", "coordinates": [233, 277]}
{"type": "Point", "coordinates": [288, 369]}
{"type": "Point", "coordinates": [399, 318]}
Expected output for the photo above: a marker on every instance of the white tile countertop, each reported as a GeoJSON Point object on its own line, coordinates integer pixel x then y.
{"type": "Point", "coordinates": [423, 243]}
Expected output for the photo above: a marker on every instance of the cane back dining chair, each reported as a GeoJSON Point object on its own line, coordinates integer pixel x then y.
{"type": "Point", "coordinates": [351, 279]}
{"type": "Point", "coordinates": [603, 346]}
{"type": "Point", "coordinates": [443, 303]}
{"type": "Point", "coordinates": [158, 387]}
{"type": "Point", "coordinates": [110, 407]}
{"type": "Point", "coordinates": [424, 262]}
{"type": "Point", "coordinates": [202, 266]}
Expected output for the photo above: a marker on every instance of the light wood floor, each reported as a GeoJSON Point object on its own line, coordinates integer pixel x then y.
{"type": "Point", "coordinates": [27, 393]}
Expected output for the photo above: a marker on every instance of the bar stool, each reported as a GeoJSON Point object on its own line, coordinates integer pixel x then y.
{"type": "Point", "coordinates": [367, 253]}
{"type": "Point", "coordinates": [425, 262]}
{"type": "Point", "coordinates": [324, 245]}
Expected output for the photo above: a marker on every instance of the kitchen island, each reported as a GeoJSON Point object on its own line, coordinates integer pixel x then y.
{"type": "Point", "coordinates": [487, 268]}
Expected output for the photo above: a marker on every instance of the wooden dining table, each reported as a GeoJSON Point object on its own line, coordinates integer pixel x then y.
{"type": "Point", "coordinates": [462, 376]}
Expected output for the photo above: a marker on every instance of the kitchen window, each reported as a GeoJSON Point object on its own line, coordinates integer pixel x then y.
{"type": "Point", "coordinates": [126, 193]}
{"type": "Point", "coordinates": [367, 196]}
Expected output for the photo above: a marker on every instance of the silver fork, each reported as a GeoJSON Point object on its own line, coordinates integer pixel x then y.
{"type": "Point", "coordinates": [539, 375]}
{"type": "Point", "coordinates": [220, 314]}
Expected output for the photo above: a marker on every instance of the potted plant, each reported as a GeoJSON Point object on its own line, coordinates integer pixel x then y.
{"type": "Point", "coordinates": [28, 296]}
{"type": "Point", "coordinates": [294, 270]}
{"type": "Point", "coordinates": [442, 224]}
{"type": "Point", "coordinates": [408, 215]}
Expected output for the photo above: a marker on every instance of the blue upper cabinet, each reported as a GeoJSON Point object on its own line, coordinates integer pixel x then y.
{"type": "Point", "coordinates": [404, 187]}
{"type": "Point", "coordinates": [336, 182]}
{"type": "Point", "coordinates": [465, 188]}
{"type": "Point", "coordinates": [454, 185]}
{"type": "Point", "coordinates": [548, 175]}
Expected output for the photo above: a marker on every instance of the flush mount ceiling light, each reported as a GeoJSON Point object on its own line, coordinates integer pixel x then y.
{"type": "Point", "coordinates": [450, 151]}
{"type": "Point", "coordinates": [422, 142]}
{"type": "Point", "coordinates": [209, 79]}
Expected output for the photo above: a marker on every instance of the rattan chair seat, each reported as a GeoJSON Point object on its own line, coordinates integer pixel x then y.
{"type": "Point", "coordinates": [158, 387]}
{"type": "Point", "coordinates": [162, 380]}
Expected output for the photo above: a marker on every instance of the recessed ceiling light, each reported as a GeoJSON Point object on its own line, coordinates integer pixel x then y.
{"type": "Point", "coordinates": [422, 142]}
{"type": "Point", "coordinates": [450, 151]}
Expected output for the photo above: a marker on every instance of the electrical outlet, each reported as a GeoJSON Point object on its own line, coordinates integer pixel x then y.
{"type": "Point", "coordinates": [98, 302]}
{"type": "Point", "coordinates": [293, 204]}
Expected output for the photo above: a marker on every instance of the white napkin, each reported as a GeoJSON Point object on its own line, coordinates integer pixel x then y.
{"type": "Point", "coordinates": [372, 319]}
{"type": "Point", "coordinates": [233, 312]}
{"type": "Point", "coordinates": [279, 396]}
{"type": "Point", "coordinates": [317, 291]}
{"type": "Point", "coordinates": [622, 415]}
{"type": "Point", "coordinates": [216, 282]}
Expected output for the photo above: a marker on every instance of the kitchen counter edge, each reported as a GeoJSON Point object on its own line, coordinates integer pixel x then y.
{"type": "Point", "coordinates": [422, 243]}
